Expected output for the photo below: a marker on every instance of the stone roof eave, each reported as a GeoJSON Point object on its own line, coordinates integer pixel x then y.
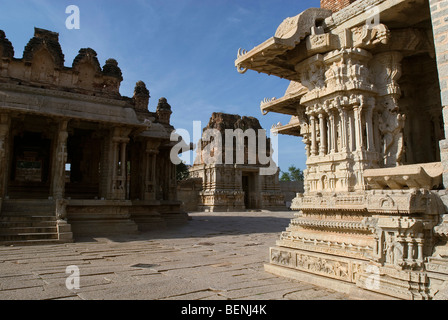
{"type": "Point", "coordinates": [264, 57]}
{"type": "Point", "coordinates": [287, 104]}
{"type": "Point", "coordinates": [59, 104]}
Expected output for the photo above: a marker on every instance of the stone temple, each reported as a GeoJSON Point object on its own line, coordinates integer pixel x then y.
{"type": "Point", "coordinates": [77, 153]}
{"type": "Point", "coordinates": [368, 96]}
{"type": "Point", "coordinates": [236, 184]}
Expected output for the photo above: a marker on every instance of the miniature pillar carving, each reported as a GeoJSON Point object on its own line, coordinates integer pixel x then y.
{"type": "Point", "coordinates": [313, 135]}
{"type": "Point", "coordinates": [333, 141]}
{"type": "Point", "coordinates": [344, 131]}
{"type": "Point", "coordinates": [358, 127]}
{"type": "Point", "coordinates": [351, 132]}
{"type": "Point", "coordinates": [323, 135]}
{"type": "Point", "coordinates": [420, 249]}
{"type": "Point", "coordinates": [369, 128]}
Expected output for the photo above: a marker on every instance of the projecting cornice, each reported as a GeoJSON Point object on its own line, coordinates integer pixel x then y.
{"type": "Point", "coordinates": [290, 33]}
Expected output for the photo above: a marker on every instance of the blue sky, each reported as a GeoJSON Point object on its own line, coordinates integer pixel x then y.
{"type": "Point", "coordinates": [183, 50]}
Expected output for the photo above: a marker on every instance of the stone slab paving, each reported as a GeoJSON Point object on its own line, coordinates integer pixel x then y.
{"type": "Point", "coordinates": [216, 256]}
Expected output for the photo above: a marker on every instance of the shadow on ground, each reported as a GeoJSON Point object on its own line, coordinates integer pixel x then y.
{"type": "Point", "coordinates": [201, 225]}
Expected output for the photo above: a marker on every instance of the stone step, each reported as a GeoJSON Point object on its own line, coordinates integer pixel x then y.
{"type": "Point", "coordinates": [28, 203]}
{"type": "Point", "coordinates": [28, 207]}
{"type": "Point", "coordinates": [30, 213]}
{"type": "Point", "coordinates": [24, 228]}
{"type": "Point", "coordinates": [27, 218]}
{"type": "Point", "coordinates": [36, 242]}
{"type": "Point", "coordinates": [28, 236]}
{"type": "Point", "coordinates": [31, 222]}
{"type": "Point", "coordinates": [26, 224]}
{"type": "Point", "coordinates": [27, 230]}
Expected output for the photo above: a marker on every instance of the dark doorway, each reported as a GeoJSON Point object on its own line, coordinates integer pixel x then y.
{"type": "Point", "coordinates": [30, 167]}
{"type": "Point", "coordinates": [84, 153]}
{"type": "Point", "coordinates": [246, 191]}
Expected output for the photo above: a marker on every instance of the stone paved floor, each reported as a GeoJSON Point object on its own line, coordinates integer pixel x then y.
{"type": "Point", "coordinates": [215, 256]}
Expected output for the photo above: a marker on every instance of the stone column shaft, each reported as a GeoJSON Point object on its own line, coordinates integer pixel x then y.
{"type": "Point", "coordinates": [369, 127]}
{"type": "Point", "coordinates": [5, 127]}
{"type": "Point", "coordinates": [323, 135]}
{"type": "Point", "coordinates": [60, 159]}
{"type": "Point", "coordinates": [344, 130]}
{"type": "Point", "coordinates": [119, 141]}
{"type": "Point", "coordinates": [313, 135]}
{"type": "Point", "coordinates": [358, 128]}
{"type": "Point", "coordinates": [333, 140]}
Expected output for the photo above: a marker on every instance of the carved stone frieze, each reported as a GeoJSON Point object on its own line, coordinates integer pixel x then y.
{"type": "Point", "coordinates": [329, 266]}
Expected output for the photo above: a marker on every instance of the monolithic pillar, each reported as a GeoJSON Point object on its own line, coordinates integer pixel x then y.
{"type": "Point", "coordinates": [344, 130]}
{"type": "Point", "coordinates": [420, 249]}
{"type": "Point", "coordinates": [150, 171]}
{"type": "Point", "coordinates": [351, 132]}
{"type": "Point", "coordinates": [313, 135]}
{"type": "Point", "coordinates": [323, 135]}
{"type": "Point", "coordinates": [60, 159]}
{"type": "Point", "coordinates": [386, 67]}
{"type": "Point", "coordinates": [119, 140]}
{"type": "Point", "coordinates": [357, 110]}
{"type": "Point", "coordinates": [333, 130]}
{"type": "Point", "coordinates": [5, 126]}
{"type": "Point", "coordinates": [369, 128]}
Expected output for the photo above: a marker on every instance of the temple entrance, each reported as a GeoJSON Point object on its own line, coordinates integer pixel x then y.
{"type": "Point", "coordinates": [249, 188]}
{"type": "Point", "coordinates": [83, 165]}
{"type": "Point", "coordinates": [30, 167]}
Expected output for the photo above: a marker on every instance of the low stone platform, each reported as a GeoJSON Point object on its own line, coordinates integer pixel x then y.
{"type": "Point", "coordinates": [216, 256]}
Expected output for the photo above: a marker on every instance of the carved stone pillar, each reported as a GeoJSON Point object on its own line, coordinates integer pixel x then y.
{"type": "Point", "coordinates": [386, 70]}
{"type": "Point", "coordinates": [307, 143]}
{"type": "Point", "coordinates": [172, 191]}
{"type": "Point", "coordinates": [333, 130]}
{"type": "Point", "coordinates": [410, 254]}
{"type": "Point", "coordinates": [420, 249]}
{"type": "Point", "coordinates": [351, 131]}
{"type": "Point", "coordinates": [5, 126]}
{"type": "Point", "coordinates": [313, 135]}
{"type": "Point", "coordinates": [344, 129]}
{"type": "Point", "coordinates": [60, 159]}
{"type": "Point", "coordinates": [150, 171]}
{"type": "Point", "coordinates": [323, 135]}
{"type": "Point", "coordinates": [357, 111]}
{"type": "Point", "coordinates": [369, 128]}
{"type": "Point", "coordinates": [117, 164]}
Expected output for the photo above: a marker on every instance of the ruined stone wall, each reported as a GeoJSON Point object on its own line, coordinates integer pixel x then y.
{"type": "Point", "coordinates": [188, 192]}
{"type": "Point", "coordinates": [290, 190]}
{"type": "Point", "coordinates": [335, 5]}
